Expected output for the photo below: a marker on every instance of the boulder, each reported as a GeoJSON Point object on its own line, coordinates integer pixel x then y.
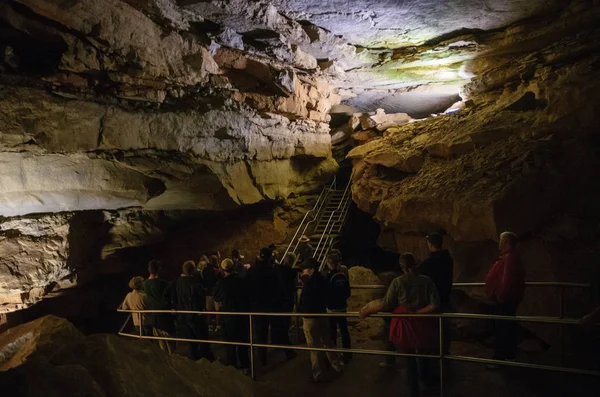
{"type": "Point", "coordinates": [39, 340]}
{"type": "Point", "coordinates": [108, 365]}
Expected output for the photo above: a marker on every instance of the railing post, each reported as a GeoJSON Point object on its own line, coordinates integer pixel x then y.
{"type": "Point", "coordinates": [252, 374]}
{"type": "Point", "coordinates": [441, 356]}
{"type": "Point", "coordinates": [561, 328]}
{"type": "Point", "coordinates": [141, 324]}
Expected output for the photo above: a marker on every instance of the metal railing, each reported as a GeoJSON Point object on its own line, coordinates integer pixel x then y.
{"type": "Point", "coordinates": [342, 206]}
{"type": "Point", "coordinates": [439, 356]}
{"type": "Point", "coordinates": [313, 213]}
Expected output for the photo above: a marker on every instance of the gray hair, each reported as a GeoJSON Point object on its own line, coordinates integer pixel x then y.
{"type": "Point", "coordinates": [510, 238]}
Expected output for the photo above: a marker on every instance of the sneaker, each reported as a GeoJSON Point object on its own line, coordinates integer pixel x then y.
{"type": "Point", "coordinates": [218, 328]}
{"type": "Point", "coordinates": [385, 364]}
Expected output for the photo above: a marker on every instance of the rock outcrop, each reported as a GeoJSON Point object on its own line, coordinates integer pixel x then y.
{"type": "Point", "coordinates": [49, 357]}
{"type": "Point", "coordinates": [523, 151]}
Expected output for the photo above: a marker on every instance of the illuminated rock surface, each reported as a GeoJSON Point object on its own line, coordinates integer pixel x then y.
{"type": "Point", "coordinates": [123, 123]}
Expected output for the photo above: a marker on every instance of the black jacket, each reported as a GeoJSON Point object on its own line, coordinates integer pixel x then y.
{"type": "Point", "coordinates": [187, 293]}
{"type": "Point", "coordinates": [314, 294]}
{"type": "Point", "coordinates": [263, 287]}
{"type": "Point", "coordinates": [287, 279]}
{"type": "Point", "coordinates": [231, 293]}
{"type": "Point", "coordinates": [439, 267]}
{"type": "Point", "coordinates": [210, 276]}
{"type": "Point", "coordinates": [338, 290]}
{"type": "Point", "coordinates": [156, 290]}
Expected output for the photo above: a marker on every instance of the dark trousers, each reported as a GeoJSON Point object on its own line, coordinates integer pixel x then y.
{"type": "Point", "coordinates": [193, 326]}
{"type": "Point", "coordinates": [235, 329]}
{"type": "Point", "coordinates": [280, 330]}
{"type": "Point", "coordinates": [146, 330]}
{"type": "Point", "coordinates": [446, 307]}
{"type": "Point", "coordinates": [342, 324]}
{"type": "Point", "coordinates": [389, 346]}
{"type": "Point", "coordinates": [506, 332]}
{"type": "Point", "coordinates": [417, 368]}
{"type": "Point", "coordinates": [261, 335]}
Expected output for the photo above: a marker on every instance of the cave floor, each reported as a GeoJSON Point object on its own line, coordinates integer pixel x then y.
{"type": "Point", "coordinates": [362, 376]}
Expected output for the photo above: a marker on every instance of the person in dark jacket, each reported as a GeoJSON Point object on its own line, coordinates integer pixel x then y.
{"type": "Point", "coordinates": [439, 267]}
{"type": "Point", "coordinates": [231, 294]}
{"type": "Point", "coordinates": [504, 287]}
{"type": "Point", "coordinates": [316, 329]}
{"type": "Point", "coordinates": [338, 292]}
{"type": "Point", "coordinates": [188, 294]}
{"type": "Point", "coordinates": [210, 275]}
{"type": "Point", "coordinates": [287, 278]}
{"type": "Point", "coordinates": [155, 288]}
{"type": "Point", "coordinates": [263, 286]}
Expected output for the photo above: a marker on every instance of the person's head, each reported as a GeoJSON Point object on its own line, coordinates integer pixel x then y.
{"type": "Point", "coordinates": [236, 255]}
{"type": "Point", "coordinates": [214, 261]}
{"type": "Point", "coordinates": [154, 267]}
{"type": "Point", "coordinates": [227, 265]}
{"type": "Point", "coordinates": [408, 262]}
{"type": "Point", "coordinates": [508, 241]}
{"type": "Point", "coordinates": [434, 242]}
{"type": "Point", "coordinates": [334, 260]}
{"type": "Point", "coordinates": [189, 268]}
{"type": "Point", "coordinates": [265, 256]}
{"type": "Point", "coordinates": [201, 265]}
{"type": "Point", "coordinates": [136, 283]}
{"type": "Point", "coordinates": [203, 258]}
{"type": "Point", "coordinates": [309, 266]}
{"type": "Point", "coordinates": [290, 259]}
{"type": "Point", "coordinates": [303, 239]}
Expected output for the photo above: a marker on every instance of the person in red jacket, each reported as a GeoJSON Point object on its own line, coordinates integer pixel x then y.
{"type": "Point", "coordinates": [504, 286]}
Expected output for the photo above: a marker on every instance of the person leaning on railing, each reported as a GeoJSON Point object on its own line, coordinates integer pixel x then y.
{"type": "Point", "coordinates": [410, 293]}
{"type": "Point", "coordinates": [504, 287]}
{"type": "Point", "coordinates": [137, 300]}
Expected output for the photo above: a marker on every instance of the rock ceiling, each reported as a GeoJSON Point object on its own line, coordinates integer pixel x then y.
{"type": "Point", "coordinates": [403, 55]}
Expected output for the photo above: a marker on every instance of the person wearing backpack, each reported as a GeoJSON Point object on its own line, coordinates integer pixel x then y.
{"type": "Point", "coordinates": [338, 292]}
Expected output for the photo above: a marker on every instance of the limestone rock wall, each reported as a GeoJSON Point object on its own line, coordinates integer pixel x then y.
{"type": "Point", "coordinates": [521, 156]}
{"type": "Point", "coordinates": [113, 112]}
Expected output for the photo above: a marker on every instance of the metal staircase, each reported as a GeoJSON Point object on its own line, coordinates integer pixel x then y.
{"type": "Point", "coordinates": [324, 222]}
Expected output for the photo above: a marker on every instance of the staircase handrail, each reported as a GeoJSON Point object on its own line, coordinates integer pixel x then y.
{"type": "Point", "coordinates": [341, 218]}
{"type": "Point", "coordinates": [333, 213]}
{"type": "Point", "coordinates": [314, 211]}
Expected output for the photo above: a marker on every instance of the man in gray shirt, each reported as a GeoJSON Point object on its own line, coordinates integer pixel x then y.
{"type": "Point", "coordinates": [418, 294]}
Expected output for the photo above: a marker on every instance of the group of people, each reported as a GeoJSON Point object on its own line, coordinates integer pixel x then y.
{"type": "Point", "coordinates": [426, 289]}
{"type": "Point", "coordinates": [228, 285]}
{"type": "Point", "coordinates": [269, 286]}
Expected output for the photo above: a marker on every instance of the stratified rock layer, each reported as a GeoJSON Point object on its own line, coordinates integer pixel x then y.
{"type": "Point", "coordinates": [522, 151]}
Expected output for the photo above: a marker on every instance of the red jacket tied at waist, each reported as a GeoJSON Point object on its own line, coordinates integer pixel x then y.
{"type": "Point", "coordinates": [505, 280]}
{"type": "Point", "coordinates": [413, 333]}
